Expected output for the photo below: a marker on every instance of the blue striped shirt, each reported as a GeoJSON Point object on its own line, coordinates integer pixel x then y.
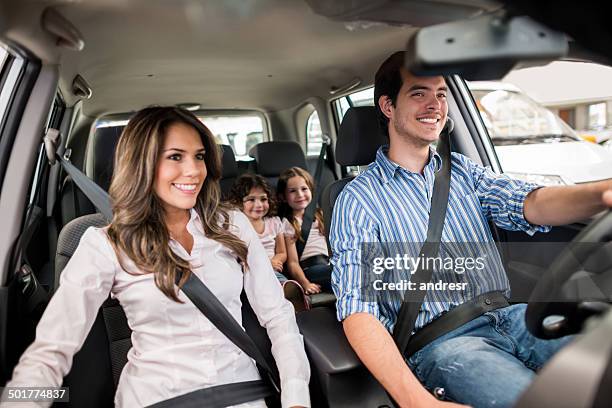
{"type": "Point", "coordinates": [389, 204]}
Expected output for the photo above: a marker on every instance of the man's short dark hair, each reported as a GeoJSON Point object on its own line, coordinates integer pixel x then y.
{"type": "Point", "coordinates": [388, 81]}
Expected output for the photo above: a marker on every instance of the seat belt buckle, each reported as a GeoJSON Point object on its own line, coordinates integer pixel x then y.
{"type": "Point", "coordinates": [27, 280]}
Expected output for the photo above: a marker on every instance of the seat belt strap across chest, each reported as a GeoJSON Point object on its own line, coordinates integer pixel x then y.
{"type": "Point", "coordinates": [308, 217]}
{"type": "Point", "coordinates": [413, 300]}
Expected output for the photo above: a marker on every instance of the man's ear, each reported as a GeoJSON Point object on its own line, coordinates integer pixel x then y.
{"type": "Point", "coordinates": [386, 105]}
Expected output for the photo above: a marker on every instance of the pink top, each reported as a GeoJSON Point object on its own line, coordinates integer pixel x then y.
{"type": "Point", "coordinates": [175, 349]}
{"type": "Point", "coordinates": [272, 227]}
{"type": "Point", "coordinates": [316, 244]}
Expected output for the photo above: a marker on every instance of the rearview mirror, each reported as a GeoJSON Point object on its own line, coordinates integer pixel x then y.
{"type": "Point", "coordinates": [482, 48]}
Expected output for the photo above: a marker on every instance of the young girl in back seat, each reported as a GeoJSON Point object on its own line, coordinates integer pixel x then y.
{"type": "Point", "coordinates": [312, 270]}
{"type": "Point", "coordinates": [253, 196]}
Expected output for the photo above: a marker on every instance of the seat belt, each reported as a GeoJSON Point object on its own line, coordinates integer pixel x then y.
{"type": "Point", "coordinates": [222, 319]}
{"type": "Point", "coordinates": [205, 301]}
{"type": "Point", "coordinates": [308, 217]}
{"type": "Point", "coordinates": [413, 300]}
{"type": "Point", "coordinates": [35, 296]}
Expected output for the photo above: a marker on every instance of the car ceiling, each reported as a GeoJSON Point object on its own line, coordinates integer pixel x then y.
{"type": "Point", "coordinates": [249, 54]}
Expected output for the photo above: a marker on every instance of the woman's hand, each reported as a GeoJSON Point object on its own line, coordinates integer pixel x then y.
{"type": "Point", "coordinates": [311, 288]}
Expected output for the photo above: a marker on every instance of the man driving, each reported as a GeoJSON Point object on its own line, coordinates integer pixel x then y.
{"type": "Point", "coordinates": [491, 359]}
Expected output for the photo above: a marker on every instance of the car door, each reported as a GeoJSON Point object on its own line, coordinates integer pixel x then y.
{"type": "Point", "coordinates": [27, 90]}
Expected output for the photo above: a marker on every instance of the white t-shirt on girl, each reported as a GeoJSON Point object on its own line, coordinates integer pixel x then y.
{"type": "Point", "coordinates": [316, 244]}
{"type": "Point", "coordinates": [272, 227]}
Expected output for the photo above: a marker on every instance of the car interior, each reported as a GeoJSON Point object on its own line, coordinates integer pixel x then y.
{"type": "Point", "coordinates": [83, 68]}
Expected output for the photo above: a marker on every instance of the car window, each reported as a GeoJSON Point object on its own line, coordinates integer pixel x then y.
{"type": "Point", "coordinates": [54, 119]}
{"type": "Point", "coordinates": [313, 135]}
{"type": "Point", "coordinates": [240, 131]}
{"type": "Point", "coordinates": [511, 117]}
{"type": "Point", "coordinates": [546, 129]}
{"type": "Point", "coordinates": [11, 72]}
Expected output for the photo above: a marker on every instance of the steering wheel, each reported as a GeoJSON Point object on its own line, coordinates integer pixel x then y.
{"type": "Point", "coordinates": [547, 300]}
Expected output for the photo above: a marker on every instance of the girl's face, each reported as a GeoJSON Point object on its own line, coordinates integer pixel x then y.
{"type": "Point", "coordinates": [181, 170]}
{"type": "Point", "coordinates": [255, 205]}
{"type": "Point", "coordinates": [297, 193]}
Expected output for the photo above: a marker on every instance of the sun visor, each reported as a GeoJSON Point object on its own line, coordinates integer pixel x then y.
{"type": "Point", "coordinates": [482, 48]}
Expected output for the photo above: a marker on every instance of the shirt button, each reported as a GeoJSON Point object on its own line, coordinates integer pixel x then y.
{"type": "Point", "coordinates": [487, 301]}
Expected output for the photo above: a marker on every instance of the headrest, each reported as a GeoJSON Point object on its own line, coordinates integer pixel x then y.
{"type": "Point", "coordinates": [274, 157]}
{"type": "Point", "coordinates": [101, 154]}
{"type": "Point", "coordinates": [359, 137]}
{"type": "Point", "coordinates": [229, 168]}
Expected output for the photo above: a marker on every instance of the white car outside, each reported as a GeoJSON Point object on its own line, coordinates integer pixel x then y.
{"type": "Point", "coordinates": [534, 144]}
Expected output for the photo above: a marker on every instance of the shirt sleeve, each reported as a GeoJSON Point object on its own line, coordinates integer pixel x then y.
{"type": "Point", "coordinates": [277, 226]}
{"type": "Point", "coordinates": [350, 228]}
{"type": "Point", "coordinates": [502, 198]}
{"type": "Point", "coordinates": [85, 284]}
{"type": "Point", "coordinates": [288, 229]}
{"type": "Point", "coordinates": [277, 315]}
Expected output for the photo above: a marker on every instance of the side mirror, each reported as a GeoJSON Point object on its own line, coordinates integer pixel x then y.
{"type": "Point", "coordinates": [482, 48]}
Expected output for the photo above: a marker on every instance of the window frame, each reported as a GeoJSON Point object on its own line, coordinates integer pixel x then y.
{"type": "Point", "coordinates": [24, 77]}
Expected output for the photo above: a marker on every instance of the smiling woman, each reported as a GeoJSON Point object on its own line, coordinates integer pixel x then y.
{"type": "Point", "coordinates": [181, 170]}
{"type": "Point", "coordinates": [167, 220]}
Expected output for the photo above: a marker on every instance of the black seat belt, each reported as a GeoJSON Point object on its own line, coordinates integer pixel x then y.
{"type": "Point", "coordinates": [35, 296]}
{"type": "Point", "coordinates": [308, 217]}
{"type": "Point", "coordinates": [211, 307]}
{"type": "Point", "coordinates": [413, 300]}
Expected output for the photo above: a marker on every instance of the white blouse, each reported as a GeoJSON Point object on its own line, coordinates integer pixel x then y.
{"type": "Point", "coordinates": [175, 349]}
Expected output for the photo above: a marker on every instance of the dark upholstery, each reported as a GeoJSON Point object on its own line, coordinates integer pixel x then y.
{"type": "Point", "coordinates": [98, 165]}
{"type": "Point", "coordinates": [72, 202]}
{"type": "Point", "coordinates": [104, 351]}
{"type": "Point", "coordinates": [69, 239]}
{"type": "Point", "coordinates": [272, 158]}
{"type": "Point", "coordinates": [358, 140]}
{"type": "Point", "coordinates": [327, 176]}
{"type": "Point", "coordinates": [359, 137]}
{"type": "Point", "coordinates": [229, 169]}
{"type": "Point", "coordinates": [101, 153]}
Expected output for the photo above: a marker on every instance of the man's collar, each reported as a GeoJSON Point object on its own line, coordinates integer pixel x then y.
{"type": "Point", "coordinates": [389, 167]}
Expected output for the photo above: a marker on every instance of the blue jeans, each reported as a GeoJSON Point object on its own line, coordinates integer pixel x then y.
{"type": "Point", "coordinates": [320, 274]}
{"type": "Point", "coordinates": [487, 362]}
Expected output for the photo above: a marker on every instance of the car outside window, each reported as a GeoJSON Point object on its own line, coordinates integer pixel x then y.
{"type": "Point", "coordinates": [511, 117]}
{"type": "Point", "coordinates": [12, 67]}
{"type": "Point", "coordinates": [240, 131]}
{"type": "Point", "coordinates": [522, 114]}
{"type": "Point", "coordinates": [313, 135]}
{"type": "Point", "coordinates": [597, 115]}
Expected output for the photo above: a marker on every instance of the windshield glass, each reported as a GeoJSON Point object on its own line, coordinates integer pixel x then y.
{"type": "Point", "coordinates": [513, 118]}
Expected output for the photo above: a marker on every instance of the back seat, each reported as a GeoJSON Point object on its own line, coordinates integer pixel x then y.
{"type": "Point", "coordinates": [359, 138]}
{"type": "Point", "coordinates": [272, 158]}
{"type": "Point", "coordinates": [230, 170]}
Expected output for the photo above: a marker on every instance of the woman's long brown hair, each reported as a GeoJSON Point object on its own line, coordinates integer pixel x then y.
{"type": "Point", "coordinates": [138, 229]}
{"type": "Point", "coordinates": [284, 210]}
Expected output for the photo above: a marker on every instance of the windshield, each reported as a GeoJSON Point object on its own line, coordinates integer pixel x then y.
{"type": "Point", "coordinates": [513, 118]}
